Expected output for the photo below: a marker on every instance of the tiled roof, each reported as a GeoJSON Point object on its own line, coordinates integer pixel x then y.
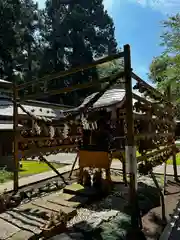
{"type": "Point", "coordinates": [110, 97]}
{"type": "Point", "coordinates": [6, 109]}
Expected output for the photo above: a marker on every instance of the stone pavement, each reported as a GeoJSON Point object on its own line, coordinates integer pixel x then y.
{"type": "Point", "coordinates": [35, 178]}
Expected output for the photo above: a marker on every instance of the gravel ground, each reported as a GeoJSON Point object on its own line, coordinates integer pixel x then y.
{"type": "Point", "coordinates": [108, 219]}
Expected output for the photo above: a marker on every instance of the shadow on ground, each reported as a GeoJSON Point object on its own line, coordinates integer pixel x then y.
{"type": "Point", "coordinates": [116, 228]}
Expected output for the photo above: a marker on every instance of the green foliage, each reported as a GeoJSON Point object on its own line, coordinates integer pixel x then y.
{"type": "Point", "coordinates": [165, 69]}
{"type": "Point", "coordinates": [53, 39]}
{"type": "Point", "coordinates": [35, 167]}
{"type": "Point", "coordinates": [86, 31]}
{"type": "Point", "coordinates": [5, 175]}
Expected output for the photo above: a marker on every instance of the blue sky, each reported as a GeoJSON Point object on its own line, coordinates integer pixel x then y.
{"type": "Point", "coordinates": [138, 23]}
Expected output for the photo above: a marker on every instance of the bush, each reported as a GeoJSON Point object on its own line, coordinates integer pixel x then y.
{"type": "Point", "coordinates": [5, 175]}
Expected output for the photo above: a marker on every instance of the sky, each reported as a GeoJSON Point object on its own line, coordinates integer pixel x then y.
{"type": "Point", "coordinates": [139, 23]}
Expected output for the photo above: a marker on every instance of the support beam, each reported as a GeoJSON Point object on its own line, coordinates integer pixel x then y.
{"type": "Point", "coordinates": [130, 143]}
{"type": "Point", "coordinates": [162, 198]}
{"type": "Point", "coordinates": [42, 158]}
{"type": "Point", "coordinates": [72, 71]}
{"type": "Point", "coordinates": [174, 151]}
{"type": "Point", "coordinates": [75, 161]}
{"type": "Point", "coordinates": [15, 133]}
{"type": "Point", "coordinates": [165, 170]}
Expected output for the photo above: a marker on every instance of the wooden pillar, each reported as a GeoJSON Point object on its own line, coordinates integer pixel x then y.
{"type": "Point", "coordinates": [174, 152]}
{"type": "Point", "coordinates": [130, 144]}
{"type": "Point", "coordinates": [165, 169]}
{"type": "Point", "coordinates": [15, 137]}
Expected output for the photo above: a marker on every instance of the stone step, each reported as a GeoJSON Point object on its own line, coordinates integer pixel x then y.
{"type": "Point", "coordinates": [7, 229]}
{"type": "Point", "coordinates": [21, 235]}
{"type": "Point", "coordinates": [71, 212]}
{"type": "Point", "coordinates": [25, 220]}
{"type": "Point", "coordinates": [78, 189]}
{"type": "Point", "coordinates": [69, 200]}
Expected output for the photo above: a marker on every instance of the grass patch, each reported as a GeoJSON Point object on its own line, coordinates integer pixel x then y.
{"type": "Point", "coordinates": [35, 167]}
{"type": "Point", "coordinates": [28, 168]}
{"type": "Point", "coordinates": [177, 160]}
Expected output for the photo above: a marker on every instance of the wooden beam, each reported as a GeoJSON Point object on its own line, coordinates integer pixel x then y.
{"type": "Point", "coordinates": [71, 71]}
{"type": "Point", "coordinates": [154, 153]}
{"type": "Point", "coordinates": [42, 158]}
{"type": "Point", "coordinates": [152, 135]}
{"type": "Point", "coordinates": [137, 78]}
{"type": "Point", "coordinates": [59, 91]}
{"type": "Point", "coordinates": [130, 143]}
{"type": "Point", "coordinates": [37, 150]}
{"type": "Point", "coordinates": [76, 87]}
{"type": "Point", "coordinates": [15, 132]}
{"type": "Point", "coordinates": [28, 139]}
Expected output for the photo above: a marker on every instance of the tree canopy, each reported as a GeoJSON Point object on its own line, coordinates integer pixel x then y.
{"type": "Point", "coordinates": [53, 39]}
{"type": "Point", "coordinates": [165, 69]}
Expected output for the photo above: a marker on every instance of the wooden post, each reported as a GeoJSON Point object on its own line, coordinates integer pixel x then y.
{"type": "Point", "coordinates": [130, 146]}
{"type": "Point", "coordinates": [15, 132]}
{"type": "Point", "coordinates": [175, 166]}
{"type": "Point", "coordinates": [122, 158]}
{"type": "Point", "coordinates": [165, 168]}
{"type": "Point", "coordinates": [174, 153]}
{"type": "Point", "coordinates": [161, 196]}
{"type": "Point", "coordinates": [75, 161]}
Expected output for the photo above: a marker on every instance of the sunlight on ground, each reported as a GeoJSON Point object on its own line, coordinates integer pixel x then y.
{"type": "Point", "coordinates": [28, 168]}
{"type": "Point", "coordinates": [35, 167]}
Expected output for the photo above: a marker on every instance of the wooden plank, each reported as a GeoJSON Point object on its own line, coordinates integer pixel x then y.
{"type": "Point", "coordinates": [72, 88]}
{"type": "Point", "coordinates": [60, 91]}
{"type": "Point", "coordinates": [71, 71]}
{"type": "Point", "coordinates": [73, 201]}
{"type": "Point", "coordinates": [37, 150]}
{"type": "Point", "coordinates": [71, 212]}
{"type": "Point", "coordinates": [27, 139]}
